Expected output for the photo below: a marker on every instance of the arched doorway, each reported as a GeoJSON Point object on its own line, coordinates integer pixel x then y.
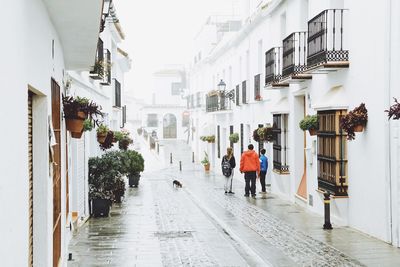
{"type": "Point", "coordinates": [169, 125]}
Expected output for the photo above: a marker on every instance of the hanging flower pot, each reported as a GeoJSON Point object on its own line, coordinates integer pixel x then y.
{"type": "Point", "coordinates": [358, 128]}
{"type": "Point", "coordinates": [312, 132]}
{"type": "Point", "coordinates": [101, 137]}
{"type": "Point", "coordinates": [74, 125]}
{"type": "Point", "coordinates": [207, 167]}
{"type": "Point", "coordinates": [76, 135]}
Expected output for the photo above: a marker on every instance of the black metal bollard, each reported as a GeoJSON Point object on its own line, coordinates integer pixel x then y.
{"type": "Point", "coordinates": [170, 158]}
{"type": "Point", "coordinates": [158, 148]}
{"type": "Point", "coordinates": [193, 157]}
{"type": "Point", "coordinates": [327, 204]}
{"type": "Point", "coordinates": [69, 256]}
{"type": "Point", "coordinates": [180, 165]}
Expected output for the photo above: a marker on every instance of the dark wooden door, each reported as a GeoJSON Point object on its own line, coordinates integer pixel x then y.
{"type": "Point", "coordinates": [56, 119]}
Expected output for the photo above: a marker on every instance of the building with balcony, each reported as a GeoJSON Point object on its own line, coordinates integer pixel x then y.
{"type": "Point", "coordinates": [290, 59]}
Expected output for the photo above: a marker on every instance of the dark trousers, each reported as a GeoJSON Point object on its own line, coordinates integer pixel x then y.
{"type": "Point", "coordinates": [250, 178]}
{"type": "Point", "coordinates": [262, 180]}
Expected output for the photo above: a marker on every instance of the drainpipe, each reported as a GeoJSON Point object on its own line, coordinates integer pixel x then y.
{"type": "Point", "coordinates": [389, 141]}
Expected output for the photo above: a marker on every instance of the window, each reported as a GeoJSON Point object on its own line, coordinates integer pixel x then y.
{"type": "Point", "coordinates": [280, 145]}
{"type": "Point", "coordinates": [241, 138]}
{"type": "Point", "coordinates": [117, 102]}
{"type": "Point", "coordinates": [219, 141]}
{"type": "Point", "coordinates": [176, 88]}
{"type": "Point", "coordinates": [257, 91]}
{"type": "Point", "coordinates": [152, 120]}
{"type": "Point", "coordinates": [244, 95]}
{"type": "Point", "coordinates": [237, 95]}
{"type": "Point", "coordinates": [332, 153]}
{"type": "Point", "coordinates": [185, 119]}
{"type": "Point", "coordinates": [198, 99]}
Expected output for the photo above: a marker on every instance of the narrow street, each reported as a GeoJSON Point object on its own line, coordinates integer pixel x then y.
{"type": "Point", "coordinates": [197, 225]}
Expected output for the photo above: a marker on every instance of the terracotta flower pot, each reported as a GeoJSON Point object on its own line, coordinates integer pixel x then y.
{"type": "Point", "coordinates": [82, 115]}
{"type": "Point", "coordinates": [76, 135]}
{"type": "Point", "coordinates": [358, 128]}
{"type": "Point", "coordinates": [312, 132]}
{"type": "Point", "coordinates": [207, 167]}
{"type": "Point", "coordinates": [101, 137]}
{"type": "Point", "coordinates": [74, 125]}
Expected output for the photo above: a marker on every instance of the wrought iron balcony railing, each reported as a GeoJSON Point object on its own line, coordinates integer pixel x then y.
{"type": "Point", "coordinates": [294, 54]}
{"type": "Point", "coordinates": [219, 100]}
{"type": "Point", "coordinates": [273, 65]}
{"type": "Point", "coordinates": [97, 72]}
{"type": "Point", "coordinates": [326, 38]}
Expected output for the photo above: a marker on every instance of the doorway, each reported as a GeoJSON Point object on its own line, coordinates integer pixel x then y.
{"type": "Point", "coordinates": [169, 126]}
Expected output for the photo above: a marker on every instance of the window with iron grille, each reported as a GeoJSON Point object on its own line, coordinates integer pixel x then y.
{"type": "Point", "coordinates": [280, 143]}
{"type": "Point", "coordinates": [241, 138]}
{"type": "Point", "coordinates": [123, 116]}
{"type": "Point", "coordinates": [231, 132]}
{"type": "Point", "coordinates": [152, 120]}
{"type": "Point", "coordinates": [244, 95]}
{"type": "Point", "coordinates": [218, 141]}
{"type": "Point", "coordinates": [332, 153]}
{"type": "Point", "coordinates": [237, 95]}
{"type": "Point", "coordinates": [257, 91]}
{"type": "Point", "coordinates": [117, 94]}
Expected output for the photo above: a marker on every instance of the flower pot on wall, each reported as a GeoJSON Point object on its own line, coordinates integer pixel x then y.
{"type": "Point", "coordinates": [312, 132]}
{"type": "Point", "coordinates": [74, 125]}
{"type": "Point", "coordinates": [101, 137]}
{"type": "Point", "coordinates": [207, 167]}
{"type": "Point", "coordinates": [358, 128]}
{"type": "Point", "coordinates": [76, 135]}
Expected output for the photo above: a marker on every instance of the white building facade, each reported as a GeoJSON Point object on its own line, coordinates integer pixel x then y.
{"type": "Point", "coordinates": [292, 58]}
{"type": "Point", "coordinates": [49, 52]}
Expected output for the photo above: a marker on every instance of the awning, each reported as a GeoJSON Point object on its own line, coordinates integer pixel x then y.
{"type": "Point", "coordinates": [281, 107]}
{"type": "Point", "coordinates": [334, 99]}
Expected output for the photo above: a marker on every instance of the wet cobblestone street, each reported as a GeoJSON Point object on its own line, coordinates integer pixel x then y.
{"type": "Point", "coordinates": [197, 225]}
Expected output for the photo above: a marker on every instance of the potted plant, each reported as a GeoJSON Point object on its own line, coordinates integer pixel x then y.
{"type": "Point", "coordinates": [258, 97]}
{"type": "Point", "coordinates": [133, 163]}
{"type": "Point", "coordinates": [102, 132]}
{"type": "Point", "coordinates": [119, 189]}
{"type": "Point", "coordinates": [139, 131]}
{"type": "Point", "coordinates": [394, 110]}
{"type": "Point", "coordinates": [263, 134]}
{"type": "Point", "coordinates": [354, 121]}
{"type": "Point", "coordinates": [310, 123]}
{"type": "Point", "coordinates": [211, 139]}
{"type": "Point", "coordinates": [76, 110]}
{"type": "Point", "coordinates": [123, 139]}
{"type": "Point", "coordinates": [206, 162]}
{"type": "Point", "coordinates": [103, 172]}
{"type": "Point", "coordinates": [234, 138]}
{"type": "Point", "coordinates": [203, 138]}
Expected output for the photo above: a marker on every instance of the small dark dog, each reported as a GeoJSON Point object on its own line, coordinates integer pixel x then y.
{"type": "Point", "coordinates": [177, 184]}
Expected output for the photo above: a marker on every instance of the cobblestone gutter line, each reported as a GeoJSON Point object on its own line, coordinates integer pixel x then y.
{"type": "Point", "coordinates": [178, 241]}
{"type": "Point", "coordinates": [300, 247]}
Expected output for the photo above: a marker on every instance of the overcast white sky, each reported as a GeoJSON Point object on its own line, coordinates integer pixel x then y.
{"type": "Point", "coordinates": [161, 32]}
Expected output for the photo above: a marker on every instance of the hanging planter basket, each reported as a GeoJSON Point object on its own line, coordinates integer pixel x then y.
{"type": "Point", "coordinates": [74, 125]}
{"type": "Point", "coordinates": [101, 137]}
{"type": "Point", "coordinates": [207, 167]}
{"type": "Point", "coordinates": [358, 128]}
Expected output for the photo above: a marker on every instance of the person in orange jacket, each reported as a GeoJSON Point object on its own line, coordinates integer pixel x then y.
{"type": "Point", "coordinates": [250, 166]}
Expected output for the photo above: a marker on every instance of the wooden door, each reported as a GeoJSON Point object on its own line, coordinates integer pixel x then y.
{"type": "Point", "coordinates": [302, 189]}
{"type": "Point", "coordinates": [30, 162]}
{"type": "Point", "coordinates": [56, 119]}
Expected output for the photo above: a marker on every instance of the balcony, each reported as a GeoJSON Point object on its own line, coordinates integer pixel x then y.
{"type": "Point", "coordinates": [326, 47]}
{"type": "Point", "coordinates": [77, 24]}
{"type": "Point", "coordinates": [295, 58]}
{"type": "Point", "coordinates": [273, 68]}
{"type": "Point", "coordinates": [219, 101]}
{"type": "Point", "coordinates": [97, 73]}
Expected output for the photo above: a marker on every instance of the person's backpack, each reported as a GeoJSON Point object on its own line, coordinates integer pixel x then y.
{"type": "Point", "coordinates": [226, 167]}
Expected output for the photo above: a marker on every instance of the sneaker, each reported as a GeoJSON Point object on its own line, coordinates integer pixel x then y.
{"type": "Point", "coordinates": [230, 192]}
{"type": "Point", "coordinates": [226, 192]}
{"type": "Point", "coordinates": [246, 195]}
{"type": "Point", "coordinates": [253, 196]}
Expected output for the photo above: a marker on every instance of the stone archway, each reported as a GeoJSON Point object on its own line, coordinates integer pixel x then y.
{"type": "Point", "coordinates": [169, 126]}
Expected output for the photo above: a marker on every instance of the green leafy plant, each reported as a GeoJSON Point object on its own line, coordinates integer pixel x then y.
{"type": "Point", "coordinates": [87, 125]}
{"type": "Point", "coordinates": [205, 160]}
{"type": "Point", "coordinates": [309, 123]}
{"type": "Point", "coordinates": [263, 134]}
{"type": "Point", "coordinates": [356, 117]}
{"type": "Point", "coordinates": [234, 138]}
{"type": "Point", "coordinates": [108, 142]}
{"type": "Point", "coordinates": [102, 129]}
{"type": "Point", "coordinates": [211, 138]}
{"type": "Point", "coordinates": [394, 110]}
{"type": "Point", "coordinates": [81, 108]}
{"type": "Point", "coordinates": [203, 138]}
{"type": "Point", "coordinates": [133, 163]}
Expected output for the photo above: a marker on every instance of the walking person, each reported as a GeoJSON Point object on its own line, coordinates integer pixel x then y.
{"type": "Point", "coordinates": [250, 166]}
{"type": "Point", "coordinates": [263, 170]}
{"type": "Point", "coordinates": [228, 165]}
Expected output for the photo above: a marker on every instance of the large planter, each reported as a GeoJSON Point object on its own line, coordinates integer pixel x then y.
{"type": "Point", "coordinates": [358, 128]}
{"type": "Point", "coordinates": [134, 180]}
{"type": "Point", "coordinates": [118, 197]}
{"type": "Point", "coordinates": [101, 207]}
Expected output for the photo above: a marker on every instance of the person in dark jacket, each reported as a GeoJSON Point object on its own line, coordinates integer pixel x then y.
{"type": "Point", "coordinates": [229, 157]}
{"type": "Point", "coordinates": [263, 169]}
